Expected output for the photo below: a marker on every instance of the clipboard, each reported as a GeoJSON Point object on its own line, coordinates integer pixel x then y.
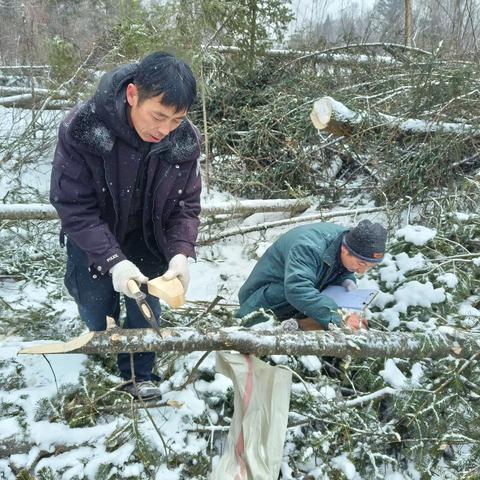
{"type": "Point", "coordinates": [357, 299]}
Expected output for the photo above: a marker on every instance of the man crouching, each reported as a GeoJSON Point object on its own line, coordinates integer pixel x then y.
{"type": "Point", "coordinates": [291, 275]}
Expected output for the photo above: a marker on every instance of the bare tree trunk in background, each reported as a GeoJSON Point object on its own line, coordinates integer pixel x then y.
{"type": "Point", "coordinates": [408, 23]}
{"type": "Point", "coordinates": [253, 31]}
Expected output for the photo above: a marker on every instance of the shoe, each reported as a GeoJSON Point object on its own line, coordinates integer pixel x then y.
{"type": "Point", "coordinates": [143, 390]}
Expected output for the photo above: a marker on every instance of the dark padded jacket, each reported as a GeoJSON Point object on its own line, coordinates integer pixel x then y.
{"type": "Point", "coordinates": [95, 171]}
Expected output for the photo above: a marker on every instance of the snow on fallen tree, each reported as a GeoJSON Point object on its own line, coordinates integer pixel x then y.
{"type": "Point", "coordinates": [288, 221]}
{"type": "Point", "coordinates": [35, 91]}
{"type": "Point", "coordinates": [29, 101]}
{"type": "Point", "coordinates": [337, 343]}
{"type": "Point", "coordinates": [44, 211]}
{"type": "Point", "coordinates": [334, 117]}
{"type": "Point", "coordinates": [319, 56]}
{"type": "Point", "coordinates": [332, 54]}
{"type": "Point", "coordinates": [16, 99]}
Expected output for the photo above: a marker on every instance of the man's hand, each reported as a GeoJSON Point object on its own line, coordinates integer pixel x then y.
{"type": "Point", "coordinates": [356, 322]}
{"type": "Point", "coordinates": [349, 285]}
{"type": "Point", "coordinates": [178, 267]}
{"type": "Point", "coordinates": [124, 271]}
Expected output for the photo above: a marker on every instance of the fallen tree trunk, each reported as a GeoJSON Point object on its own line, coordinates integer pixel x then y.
{"type": "Point", "coordinates": [62, 94]}
{"type": "Point", "coordinates": [319, 56]}
{"type": "Point", "coordinates": [334, 117]}
{"type": "Point", "coordinates": [25, 69]}
{"type": "Point", "coordinates": [31, 101]}
{"type": "Point", "coordinates": [15, 99]}
{"type": "Point", "coordinates": [44, 211]}
{"type": "Point", "coordinates": [288, 221]}
{"type": "Point", "coordinates": [336, 343]}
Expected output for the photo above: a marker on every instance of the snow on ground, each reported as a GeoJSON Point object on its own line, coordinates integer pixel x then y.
{"type": "Point", "coordinates": [219, 270]}
{"type": "Point", "coordinates": [416, 234]}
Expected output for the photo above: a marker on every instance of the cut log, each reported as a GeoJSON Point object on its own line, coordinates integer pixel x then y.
{"type": "Point", "coordinates": [334, 117]}
{"type": "Point", "coordinates": [44, 211]}
{"type": "Point", "coordinates": [337, 343]}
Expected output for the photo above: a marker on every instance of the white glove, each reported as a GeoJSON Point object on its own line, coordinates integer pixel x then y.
{"type": "Point", "coordinates": [349, 285]}
{"type": "Point", "coordinates": [178, 267]}
{"type": "Point", "coordinates": [124, 271]}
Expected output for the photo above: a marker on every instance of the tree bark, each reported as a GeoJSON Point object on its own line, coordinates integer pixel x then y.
{"type": "Point", "coordinates": [334, 117]}
{"type": "Point", "coordinates": [44, 211]}
{"type": "Point", "coordinates": [336, 343]}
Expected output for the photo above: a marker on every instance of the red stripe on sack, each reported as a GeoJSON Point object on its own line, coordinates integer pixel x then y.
{"type": "Point", "coordinates": [240, 445]}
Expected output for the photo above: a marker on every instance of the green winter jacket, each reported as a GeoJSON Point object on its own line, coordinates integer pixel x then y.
{"type": "Point", "coordinates": [290, 275]}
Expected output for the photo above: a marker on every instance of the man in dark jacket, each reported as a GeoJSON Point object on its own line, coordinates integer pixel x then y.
{"type": "Point", "coordinates": [126, 185]}
{"type": "Point", "coordinates": [290, 276]}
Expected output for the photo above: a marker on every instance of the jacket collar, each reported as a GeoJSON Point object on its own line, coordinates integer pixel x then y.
{"type": "Point", "coordinates": [332, 253]}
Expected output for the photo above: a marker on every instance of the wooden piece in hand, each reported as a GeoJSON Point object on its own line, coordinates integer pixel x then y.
{"type": "Point", "coordinates": [170, 291]}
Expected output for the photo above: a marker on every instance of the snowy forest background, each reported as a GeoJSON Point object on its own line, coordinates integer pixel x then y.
{"type": "Point", "coordinates": [407, 153]}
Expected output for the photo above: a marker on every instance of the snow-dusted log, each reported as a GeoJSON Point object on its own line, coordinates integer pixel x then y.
{"type": "Point", "coordinates": [25, 69]}
{"type": "Point", "coordinates": [334, 117]}
{"type": "Point", "coordinates": [318, 56]}
{"type": "Point", "coordinates": [27, 211]}
{"type": "Point", "coordinates": [15, 99]}
{"type": "Point", "coordinates": [35, 91]}
{"type": "Point", "coordinates": [288, 221]}
{"type": "Point", "coordinates": [29, 101]}
{"type": "Point", "coordinates": [44, 211]}
{"type": "Point", "coordinates": [251, 206]}
{"type": "Point", "coordinates": [336, 343]}
{"type": "Point", "coordinates": [332, 54]}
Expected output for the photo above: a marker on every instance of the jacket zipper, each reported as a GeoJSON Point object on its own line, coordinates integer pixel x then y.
{"type": "Point", "coordinates": [115, 227]}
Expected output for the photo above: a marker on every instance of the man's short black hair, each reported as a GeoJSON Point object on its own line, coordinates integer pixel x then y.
{"type": "Point", "coordinates": [164, 74]}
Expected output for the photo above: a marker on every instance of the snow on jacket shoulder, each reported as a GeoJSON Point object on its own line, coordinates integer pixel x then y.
{"type": "Point", "coordinates": [94, 176]}
{"type": "Point", "coordinates": [74, 192]}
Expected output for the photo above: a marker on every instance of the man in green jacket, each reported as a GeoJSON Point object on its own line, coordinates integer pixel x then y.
{"type": "Point", "coordinates": [290, 276]}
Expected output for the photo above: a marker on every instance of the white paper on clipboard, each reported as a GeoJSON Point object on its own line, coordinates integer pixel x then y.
{"type": "Point", "coordinates": [357, 299]}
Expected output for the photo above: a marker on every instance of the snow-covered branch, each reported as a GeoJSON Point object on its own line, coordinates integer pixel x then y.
{"type": "Point", "coordinates": [369, 397]}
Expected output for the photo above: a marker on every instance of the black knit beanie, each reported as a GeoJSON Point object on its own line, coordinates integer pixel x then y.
{"type": "Point", "coordinates": [367, 241]}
